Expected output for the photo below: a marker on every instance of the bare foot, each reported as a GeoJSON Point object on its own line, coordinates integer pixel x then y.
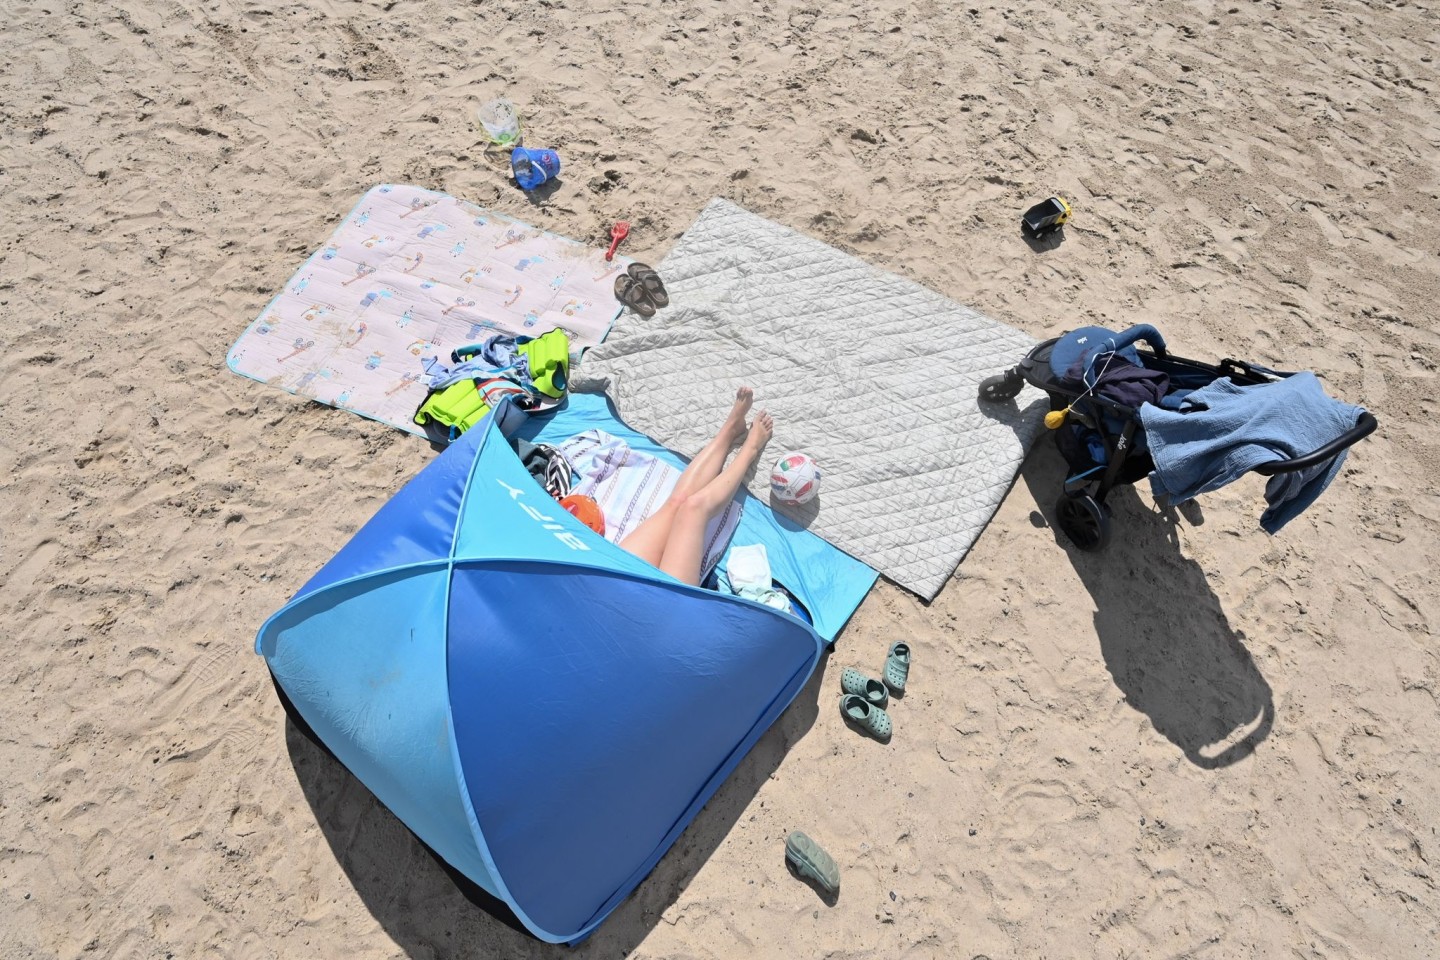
{"type": "Point", "coordinates": [734, 425]}
{"type": "Point", "coordinates": [760, 433]}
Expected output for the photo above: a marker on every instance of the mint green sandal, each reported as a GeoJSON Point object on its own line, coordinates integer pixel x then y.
{"type": "Point", "coordinates": [812, 863]}
{"type": "Point", "coordinates": [872, 720]}
{"type": "Point", "coordinates": [853, 681]}
{"type": "Point", "coordinates": [897, 666]}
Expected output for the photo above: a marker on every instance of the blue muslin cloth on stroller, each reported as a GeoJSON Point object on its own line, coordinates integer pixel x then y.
{"type": "Point", "coordinates": [1223, 431]}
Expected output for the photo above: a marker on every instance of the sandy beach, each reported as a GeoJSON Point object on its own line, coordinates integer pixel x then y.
{"type": "Point", "coordinates": [1205, 741]}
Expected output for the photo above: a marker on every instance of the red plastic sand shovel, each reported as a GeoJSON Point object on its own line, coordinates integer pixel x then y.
{"type": "Point", "coordinates": [619, 232]}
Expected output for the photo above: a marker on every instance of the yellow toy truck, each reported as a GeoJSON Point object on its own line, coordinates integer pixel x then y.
{"type": "Point", "coordinates": [1045, 218]}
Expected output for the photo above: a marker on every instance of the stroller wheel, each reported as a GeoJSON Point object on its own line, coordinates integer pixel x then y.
{"type": "Point", "coordinates": [1001, 387]}
{"type": "Point", "coordinates": [1084, 520]}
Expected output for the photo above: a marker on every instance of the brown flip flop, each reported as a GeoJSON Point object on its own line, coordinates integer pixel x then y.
{"type": "Point", "coordinates": [633, 294]}
{"type": "Point", "coordinates": [653, 285]}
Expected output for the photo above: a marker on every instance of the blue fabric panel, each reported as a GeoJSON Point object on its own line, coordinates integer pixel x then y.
{"type": "Point", "coordinates": [1070, 357]}
{"type": "Point", "coordinates": [1228, 430]}
{"type": "Point", "coordinates": [508, 515]}
{"type": "Point", "coordinates": [364, 664]}
{"type": "Point", "coordinates": [415, 525]}
{"type": "Point", "coordinates": [595, 713]}
{"type": "Point", "coordinates": [830, 582]}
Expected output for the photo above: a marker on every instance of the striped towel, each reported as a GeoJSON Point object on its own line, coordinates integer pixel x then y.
{"type": "Point", "coordinates": [629, 486]}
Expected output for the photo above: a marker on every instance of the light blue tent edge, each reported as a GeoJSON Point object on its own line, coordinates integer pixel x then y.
{"type": "Point", "coordinates": [485, 871]}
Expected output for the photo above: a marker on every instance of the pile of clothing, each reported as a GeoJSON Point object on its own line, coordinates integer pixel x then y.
{"type": "Point", "coordinates": [532, 372]}
{"type": "Point", "coordinates": [553, 472]}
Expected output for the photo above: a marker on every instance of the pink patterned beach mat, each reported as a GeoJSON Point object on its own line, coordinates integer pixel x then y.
{"type": "Point", "coordinates": [412, 274]}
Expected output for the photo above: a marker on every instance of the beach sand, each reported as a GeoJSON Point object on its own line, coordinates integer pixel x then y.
{"type": "Point", "coordinates": [1070, 774]}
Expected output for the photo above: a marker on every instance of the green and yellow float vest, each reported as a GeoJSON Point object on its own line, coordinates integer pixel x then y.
{"type": "Point", "coordinates": [459, 406]}
{"type": "Point", "coordinates": [549, 356]}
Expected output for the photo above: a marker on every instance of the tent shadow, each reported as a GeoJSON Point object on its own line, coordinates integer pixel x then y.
{"type": "Point", "coordinates": [430, 910]}
{"type": "Point", "coordinates": [1163, 633]}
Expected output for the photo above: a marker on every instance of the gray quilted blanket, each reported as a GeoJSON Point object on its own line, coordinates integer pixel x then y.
{"type": "Point", "coordinates": [871, 374]}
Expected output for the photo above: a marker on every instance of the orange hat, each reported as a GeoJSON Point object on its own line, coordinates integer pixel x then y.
{"type": "Point", "coordinates": [586, 510]}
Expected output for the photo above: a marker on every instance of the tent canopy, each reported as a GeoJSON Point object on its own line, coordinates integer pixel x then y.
{"type": "Point", "coordinates": [543, 709]}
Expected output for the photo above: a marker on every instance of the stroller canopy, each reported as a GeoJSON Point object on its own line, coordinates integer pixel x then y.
{"type": "Point", "coordinates": [543, 709]}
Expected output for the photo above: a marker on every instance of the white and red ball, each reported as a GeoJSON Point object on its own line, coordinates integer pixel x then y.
{"type": "Point", "coordinates": [795, 479]}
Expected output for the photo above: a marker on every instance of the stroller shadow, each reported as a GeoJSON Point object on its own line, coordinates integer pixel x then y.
{"type": "Point", "coordinates": [432, 911]}
{"type": "Point", "coordinates": [1025, 422]}
{"type": "Point", "coordinates": [1163, 634]}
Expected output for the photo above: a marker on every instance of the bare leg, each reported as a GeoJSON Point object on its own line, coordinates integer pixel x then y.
{"type": "Point", "coordinates": [647, 541]}
{"type": "Point", "coordinates": [708, 462]}
{"type": "Point", "coordinates": [683, 548]}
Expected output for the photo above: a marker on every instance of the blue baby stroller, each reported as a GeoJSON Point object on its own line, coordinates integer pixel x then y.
{"type": "Point", "coordinates": [1096, 419]}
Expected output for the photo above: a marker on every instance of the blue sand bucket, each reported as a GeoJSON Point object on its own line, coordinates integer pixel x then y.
{"type": "Point", "coordinates": [534, 167]}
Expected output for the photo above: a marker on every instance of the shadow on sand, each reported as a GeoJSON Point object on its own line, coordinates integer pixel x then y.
{"type": "Point", "coordinates": [1163, 634]}
{"type": "Point", "coordinates": [429, 910]}
{"type": "Point", "coordinates": [1043, 244]}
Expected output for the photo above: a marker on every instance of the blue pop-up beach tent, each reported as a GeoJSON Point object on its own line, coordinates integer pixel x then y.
{"type": "Point", "coordinates": [543, 709]}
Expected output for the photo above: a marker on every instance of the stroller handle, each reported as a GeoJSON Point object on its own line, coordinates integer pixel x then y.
{"type": "Point", "coordinates": [1363, 428]}
{"type": "Point", "coordinates": [1141, 331]}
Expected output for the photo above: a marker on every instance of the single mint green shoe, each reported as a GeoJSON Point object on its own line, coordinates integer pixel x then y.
{"type": "Point", "coordinates": [812, 863]}
{"type": "Point", "coordinates": [897, 666]}
{"type": "Point", "coordinates": [853, 681]}
{"type": "Point", "coordinates": [858, 711]}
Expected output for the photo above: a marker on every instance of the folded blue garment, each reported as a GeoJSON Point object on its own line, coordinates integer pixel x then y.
{"type": "Point", "coordinates": [1224, 431]}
